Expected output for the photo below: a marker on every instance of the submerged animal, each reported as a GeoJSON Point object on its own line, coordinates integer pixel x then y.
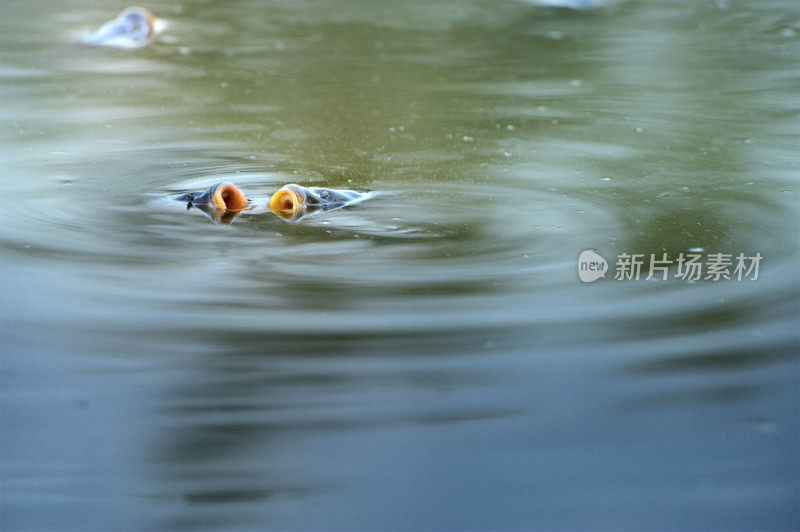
{"type": "Point", "coordinates": [224, 196]}
{"type": "Point", "coordinates": [224, 202]}
{"type": "Point", "coordinates": [133, 28]}
{"type": "Point", "coordinates": [293, 202]}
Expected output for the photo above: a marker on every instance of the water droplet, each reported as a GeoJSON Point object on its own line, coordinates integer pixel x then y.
{"type": "Point", "coordinates": [510, 127]}
{"type": "Point", "coordinates": [638, 130]}
{"type": "Point", "coordinates": [465, 138]}
{"type": "Point", "coordinates": [576, 83]}
{"type": "Point", "coordinates": [696, 250]}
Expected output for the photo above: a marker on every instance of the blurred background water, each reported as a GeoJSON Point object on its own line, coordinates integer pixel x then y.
{"type": "Point", "coordinates": [427, 359]}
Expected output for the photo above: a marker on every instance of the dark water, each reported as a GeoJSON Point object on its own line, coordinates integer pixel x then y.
{"type": "Point", "coordinates": [428, 359]}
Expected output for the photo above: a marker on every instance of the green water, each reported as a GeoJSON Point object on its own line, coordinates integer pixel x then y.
{"type": "Point", "coordinates": [429, 358]}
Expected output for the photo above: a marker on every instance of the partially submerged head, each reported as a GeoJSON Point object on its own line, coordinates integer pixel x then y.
{"type": "Point", "coordinates": [289, 201]}
{"type": "Point", "coordinates": [226, 196]}
{"type": "Point", "coordinates": [222, 197]}
{"type": "Point", "coordinates": [131, 29]}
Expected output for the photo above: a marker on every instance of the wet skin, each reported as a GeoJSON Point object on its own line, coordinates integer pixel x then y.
{"type": "Point", "coordinates": [294, 202]}
{"type": "Point", "coordinates": [133, 28]}
{"type": "Point", "coordinates": [223, 202]}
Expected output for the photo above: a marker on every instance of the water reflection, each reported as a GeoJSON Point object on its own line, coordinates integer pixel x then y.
{"type": "Point", "coordinates": [249, 424]}
{"type": "Point", "coordinates": [430, 353]}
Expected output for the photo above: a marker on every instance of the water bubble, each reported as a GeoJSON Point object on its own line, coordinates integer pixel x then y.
{"type": "Point", "coordinates": [696, 250]}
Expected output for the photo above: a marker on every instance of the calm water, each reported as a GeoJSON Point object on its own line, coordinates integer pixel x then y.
{"type": "Point", "coordinates": [428, 359]}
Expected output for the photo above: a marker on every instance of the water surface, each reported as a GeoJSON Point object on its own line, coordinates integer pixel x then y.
{"type": "Point", "coordinates": [429, 358]}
